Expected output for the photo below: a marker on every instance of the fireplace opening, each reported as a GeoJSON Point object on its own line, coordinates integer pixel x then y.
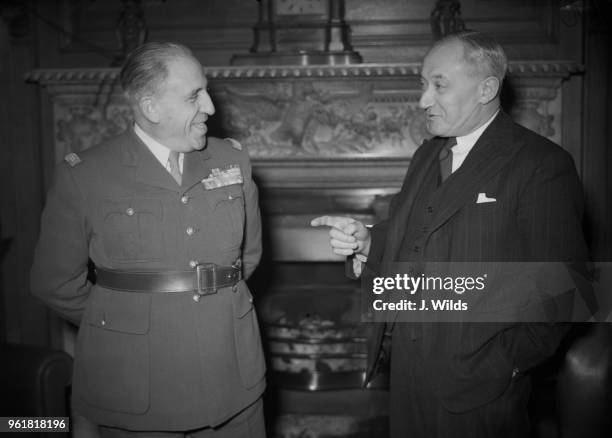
{"type": "Point", "coordinates": [316, 350]}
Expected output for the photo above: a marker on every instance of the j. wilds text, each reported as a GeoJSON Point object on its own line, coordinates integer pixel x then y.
{"type": "Point", "coordinates": [422, 305]}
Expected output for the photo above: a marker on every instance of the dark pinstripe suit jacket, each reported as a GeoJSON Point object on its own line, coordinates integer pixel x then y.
{"type": "Point", "coordinates": [536, 217]}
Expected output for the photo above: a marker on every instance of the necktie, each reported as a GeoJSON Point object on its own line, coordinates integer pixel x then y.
{"type": "Point", "coordinates": [173, 166]}
{"type": "Point", "coordinates": [446, 158]}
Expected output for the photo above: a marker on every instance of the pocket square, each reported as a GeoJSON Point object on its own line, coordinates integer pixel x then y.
{"type": "Point", "coordinates": [482, 198]}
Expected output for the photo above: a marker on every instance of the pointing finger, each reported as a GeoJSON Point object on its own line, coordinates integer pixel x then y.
{"type": "Point", "coordinates": [331, 221]}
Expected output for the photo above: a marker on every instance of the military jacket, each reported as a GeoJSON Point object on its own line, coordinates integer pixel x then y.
{"type": "Point", "coordinates": [153, 361]}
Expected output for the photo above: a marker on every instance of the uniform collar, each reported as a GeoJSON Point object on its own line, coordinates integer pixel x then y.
{"type": "Point", "coordinates": [160, 151]}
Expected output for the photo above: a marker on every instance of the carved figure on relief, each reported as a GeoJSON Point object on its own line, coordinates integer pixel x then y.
{"type": "Point", "coordinates": [526, 113]}
{"type": "Point", "coordinates": [299, 119]}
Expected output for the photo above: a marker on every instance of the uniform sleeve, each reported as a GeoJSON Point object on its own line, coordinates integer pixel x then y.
{"type": "Point", "coordinates": [59, 272]}
{"type": "Point", "coordinates": [251, 249]}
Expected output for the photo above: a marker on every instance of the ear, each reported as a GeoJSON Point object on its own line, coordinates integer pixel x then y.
{"type": "Point", "coordinates": [149, 109]}
{"type": "Point", "coordinates": [489, 89]}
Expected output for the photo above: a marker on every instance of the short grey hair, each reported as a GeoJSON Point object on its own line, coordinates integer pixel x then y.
{"type": "Point", "coordinates": [481, 51]}
{"type": "Point", "coordinates": [145, 68]}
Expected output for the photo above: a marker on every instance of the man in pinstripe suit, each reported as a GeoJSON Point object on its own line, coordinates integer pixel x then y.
{"type": "Point", "coordinates": [507, 195]}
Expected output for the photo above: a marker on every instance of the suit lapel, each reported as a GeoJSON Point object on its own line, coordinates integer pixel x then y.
{"type": "Point", "coordinates": [488, 157]}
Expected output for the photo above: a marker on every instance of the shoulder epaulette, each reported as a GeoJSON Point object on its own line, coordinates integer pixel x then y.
{"type": "Point", "coordinates": [235, 143]}
{"type": "Point", "coordinates": [72, 159]}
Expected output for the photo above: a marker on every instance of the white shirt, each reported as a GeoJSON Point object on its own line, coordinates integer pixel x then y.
{"type": "Point", "coordinates": [466, 143]}
{"type": "Point", "coordinates": [160, 151]}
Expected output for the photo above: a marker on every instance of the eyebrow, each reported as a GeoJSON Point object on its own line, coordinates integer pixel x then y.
{"type": "Point", "coordinates": [439, 77]}
{"type": "Point", "coordinates": [195, 92]}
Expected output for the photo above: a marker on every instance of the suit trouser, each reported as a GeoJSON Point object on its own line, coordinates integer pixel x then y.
{"type": "Point", "coordinates": [417, 412]}
{"type": "Point", "coordinates": [248, 423]}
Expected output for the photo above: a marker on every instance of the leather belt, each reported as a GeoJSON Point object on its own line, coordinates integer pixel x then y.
{"type": "Point", "coordinates": [205, 279]}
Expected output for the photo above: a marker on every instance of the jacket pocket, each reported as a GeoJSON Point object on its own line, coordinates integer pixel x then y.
{"type": "Point", "coordinates": [247, 338]}
{"type": "Point", "coordinates": [116, 351]}
{"type": "Point", "coordinates": [227, 205]}
{"type": "Point", "coordinates": [132, 229]}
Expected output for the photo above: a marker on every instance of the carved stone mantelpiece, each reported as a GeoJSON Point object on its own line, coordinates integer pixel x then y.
{"type": "Point", "coordinates": [304, 126]}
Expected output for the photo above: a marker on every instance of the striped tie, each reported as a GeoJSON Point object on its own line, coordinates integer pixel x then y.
{"type": "Point", "coordinates": [446, 158]}
{"type": "Point", "coordinates": [173, 166]}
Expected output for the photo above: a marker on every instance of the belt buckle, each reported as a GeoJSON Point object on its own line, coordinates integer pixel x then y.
{"type": "Point", "coordinates": [209, 267]}
{"type": "Point", "coordinates": [237, 265]}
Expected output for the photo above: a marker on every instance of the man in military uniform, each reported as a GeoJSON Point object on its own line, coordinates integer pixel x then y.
{"type": "Point", "coordinates": [168, 342]}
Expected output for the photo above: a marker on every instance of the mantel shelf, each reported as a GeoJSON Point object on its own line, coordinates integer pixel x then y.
{"type": "Point", "coordinates": [557, 69]}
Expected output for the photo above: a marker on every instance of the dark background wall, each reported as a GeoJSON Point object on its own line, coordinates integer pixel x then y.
{"type": "Point", "coordinates": [73, 33]}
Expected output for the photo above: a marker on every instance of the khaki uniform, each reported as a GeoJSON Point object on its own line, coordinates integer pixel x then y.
{"type": "Point", "coordinates": [153, 361]}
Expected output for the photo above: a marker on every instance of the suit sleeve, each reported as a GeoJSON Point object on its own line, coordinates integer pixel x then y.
{"type": "Point", "coordinates": [550, 221]}
{"type": "Point", "coordinates": [379, 231]}
{"type": "Point", "coordinates": [59, 272]}
{"type": "Point", "coordinates": [251, 249]}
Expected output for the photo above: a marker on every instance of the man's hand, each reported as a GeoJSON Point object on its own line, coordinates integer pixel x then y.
{"type": "Point", "coordinates": [347, 235]}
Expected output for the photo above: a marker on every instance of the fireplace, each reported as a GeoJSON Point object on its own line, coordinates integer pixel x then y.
{"type": "Point", "coordinates": [316, 362]}
{"type": "Point", "coordinates": [323, 140]}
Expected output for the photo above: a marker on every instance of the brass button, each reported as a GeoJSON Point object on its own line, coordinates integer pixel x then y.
{"type": "Point", "coordinates": [185, 199]}
{"type": "Point", "coordinates": [193, 263]}
{"type": "Point", "coordinates": [129, 211]}
{"type": "Point", "coordinates": [230, 197]}
{"type": "Point", "coordinates": [196, 298]}
{"type": "Point", "coordinates": [251, 300]}
{"type": "Point", "coordinates": [103, 322]}
{"type": "Point", "coordinates": [190, 231]}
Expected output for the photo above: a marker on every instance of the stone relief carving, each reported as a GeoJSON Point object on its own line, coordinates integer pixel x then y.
{"type": "Point", "coordinates": [526, 113]}
{"type": "Point", "coordinates": [539, 109]}
{"type": "Point", "coordinates": [310, 119]}
{"type": "Point", "coordinates": [79, 126]}
{"type": "Point", "coordinates": [331, 112]}
{"type": "Point", "coordinates": [301, 120]}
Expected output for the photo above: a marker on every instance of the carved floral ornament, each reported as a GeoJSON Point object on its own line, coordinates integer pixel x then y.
{"type": "Point", "coordinates": [364, 111]}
